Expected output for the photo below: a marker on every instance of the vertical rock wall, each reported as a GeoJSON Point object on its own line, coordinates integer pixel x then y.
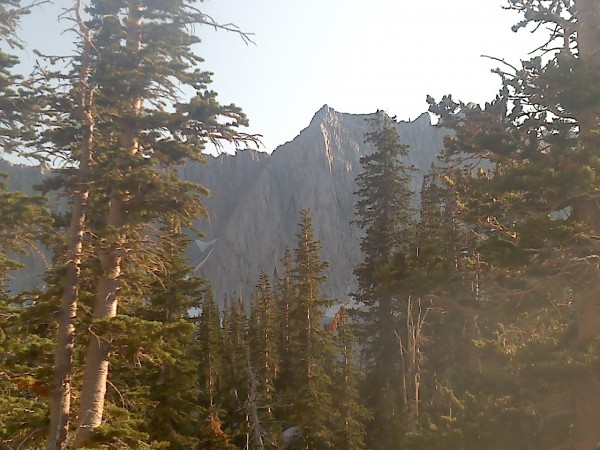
{"type": "Point", "coordinates": [256, 200]}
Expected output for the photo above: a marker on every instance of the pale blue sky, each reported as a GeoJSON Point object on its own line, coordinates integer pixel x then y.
{"type": "Point", "coordinates": [356, 56]}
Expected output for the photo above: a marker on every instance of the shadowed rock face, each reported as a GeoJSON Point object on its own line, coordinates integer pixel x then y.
{"type": "Point", "coordinates": [256, 199]}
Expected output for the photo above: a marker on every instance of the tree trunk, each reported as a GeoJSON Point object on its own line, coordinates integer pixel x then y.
{"type": "Point", "coordinates": [60, 404]}
{"type": "Point", "coordinates": [252, 406]}
{"type": "Point", "coordinates": [105, 307]}
{"type": "Point", "coordinates": [474, 353]}
{"type": "Point", "coordinates": [95, 373]}
{"type": "Point", "coordinates": [412, 362]}
{"type": "Point", "coordinates": [60, 401]}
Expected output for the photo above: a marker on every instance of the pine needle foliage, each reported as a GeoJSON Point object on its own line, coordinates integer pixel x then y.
{"type": "Point", "coordinates": [385, 215]}
{"type": "Point", "coordinates": [532, 205]}
{"type": "Point", "coordinates": [311, 350]}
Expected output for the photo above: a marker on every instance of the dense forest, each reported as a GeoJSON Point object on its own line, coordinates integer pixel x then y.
{"type": "Point", "coordinates": [476, 320]}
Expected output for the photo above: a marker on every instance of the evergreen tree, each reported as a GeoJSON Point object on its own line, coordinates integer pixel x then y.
{"type": "Point", "coordinates": [311, 348]}
{"type": "Point", "coordinates": [18, 109]}
{"type": "Point", "coordinates": [26, 339]}
{"type": "Point", "coordinates": [283, 294]}
{"type": "Point", "coordinates": [263, 335]}
{"type": "Point", "coordinates": [26, 327]}
{"type": "Point", "coordinates": [468, 397]}
{"type": "Point", "coordinates": [235, 377]}
{"type": "Point", "coordinates": [211, 361]}
{"type": "Point", "coordinates": [210, 340]}
{"type": "Point", "coordinates": [79, 123]}
{"type": "Point", "coordinates": [536, 209]}
{"type": "Point", "coordinates": [384, 213]}
{"type": "Point", "coordinates": [175, 382]}
{"type": "Point", "coordinates": [263, 360]}
{"type": "Point", "coordinates": [139, 56]}
{"type": "Point", "coordinates": [20, 213]}
{"type": "Point", "coordinates": [25, 324]}
{"type": "Point", "coordinates": [351, 414]}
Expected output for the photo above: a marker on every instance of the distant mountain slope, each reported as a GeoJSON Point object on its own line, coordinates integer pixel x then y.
{"type": "Point", "coordinates": [256, 199]}
{"type": "Point", "coordinates": [23, 178]}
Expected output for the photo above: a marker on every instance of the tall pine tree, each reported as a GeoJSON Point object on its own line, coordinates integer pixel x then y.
{"type": "Point", "coordinates": [25, 325]}
{"type": "Point", "coordinates": [263, 360]}
{"type": "Point", "coordinates": [350, 430]}
{"type": "Point", "coordinates": [537, 208]}
{"type": "Point", "coordinates": [311, 351]}
{"type": "Point", "coordinates": [139, 55]}
{"type": "Point", "coordinates": [384, 213]}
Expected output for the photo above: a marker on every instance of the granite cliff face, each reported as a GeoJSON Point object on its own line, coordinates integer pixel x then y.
{"type": "Point", "coordinates": [256, 199]}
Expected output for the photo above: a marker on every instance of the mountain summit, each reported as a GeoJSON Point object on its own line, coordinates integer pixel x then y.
{"type": "Point", "coordinates": [256, 198]}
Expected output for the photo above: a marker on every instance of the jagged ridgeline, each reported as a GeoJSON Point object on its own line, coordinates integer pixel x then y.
{"type": "Point", "coordinates": [255, 200]}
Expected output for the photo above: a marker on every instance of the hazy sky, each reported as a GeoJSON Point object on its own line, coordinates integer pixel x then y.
{"type": "Point", "coordinates": [356, 56]}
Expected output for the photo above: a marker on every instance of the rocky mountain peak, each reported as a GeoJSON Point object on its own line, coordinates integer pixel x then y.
{"type": "Point", "coordinates": [256, 198]}
{"type": "Point", "coordinates": [315, 170]}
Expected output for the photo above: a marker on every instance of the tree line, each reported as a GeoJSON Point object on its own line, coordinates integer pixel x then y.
{"type": "Point", "coordinates": [475, 321]}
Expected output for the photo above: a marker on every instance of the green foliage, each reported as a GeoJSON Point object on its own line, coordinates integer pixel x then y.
{"type": "Point", "coordinates": [311, 349]}
{"type": "Point", "coordinates": [26, 364]}
{"type": "Point", "coordinates": [383, 208]}
{"type": "Point", "coordinates": [529, 176]}
{"type": "Point", "coordinates": [263, 336]}
{"type": "Point", "coordinates": [139, 60]}
{"type": "Point", "coordinates": [26, 221]}
{"type": "Point", "coordinates": [235, 387]}
{"type": "Point", "coordinates": [501, 261]}
{"type": "Point", "coordinates": [263, 357]}
{"type": "Point", "coordinates": [124, 101]}
{"type": "Point", "coordinates": [25, 373]}
{"type": "Point", "coordinates": [25, 321]}
{"type": "Point", "coordinates": [384, 213]}
{"type": "Point", "coordinates": [18, 110]}
{"type": "Point", "coordinates": [283, 294]}
{"type": "Point", "coordinates": [210, 355]}
{"type": "Point", "coordinates": [351, 414]}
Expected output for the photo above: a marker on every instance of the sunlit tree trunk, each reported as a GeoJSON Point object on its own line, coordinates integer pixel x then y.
{"type": "Point", "coordinates": [60, 401]}
{"type": "Point", "coordinates": [105, 307]}
{"type": "Point", "coordinates": [410, 349]}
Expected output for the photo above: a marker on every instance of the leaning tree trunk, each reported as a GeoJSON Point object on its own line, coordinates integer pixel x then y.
{"type": "Point", "coordinates": [95, 375]}
{"type": "Point", "coordinates": [252, 404]}
{"type": "Point", "coordinates": [60, 401]}
{"type": "Point", "coordinates": [412, 362]}
{"type": "Point", "coordinates": [587, 389]}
